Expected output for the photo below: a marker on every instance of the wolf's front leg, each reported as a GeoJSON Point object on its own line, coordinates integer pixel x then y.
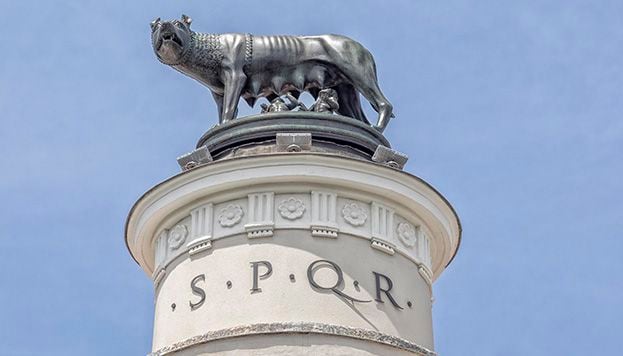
{"type": "Point", "coordinates": [218, 99]}
{"type": "Point", "coordinates": [234, 82]}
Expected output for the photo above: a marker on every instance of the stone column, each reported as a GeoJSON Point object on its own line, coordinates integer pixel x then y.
{"type": "Point", "coordinates": [300, 253]}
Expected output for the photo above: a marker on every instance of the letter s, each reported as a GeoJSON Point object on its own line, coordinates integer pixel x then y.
{"type": "Point", "coordinates": [197, 291]}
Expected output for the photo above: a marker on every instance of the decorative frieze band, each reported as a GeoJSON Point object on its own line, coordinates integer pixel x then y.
{"type": "Point", "coordinates": [317, 211]}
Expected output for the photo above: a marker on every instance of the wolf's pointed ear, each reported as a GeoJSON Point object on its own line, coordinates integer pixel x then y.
{"type": "Point", "coordinates": [154, 24]}
{"type": "Point", "coordinates": [187, 20]}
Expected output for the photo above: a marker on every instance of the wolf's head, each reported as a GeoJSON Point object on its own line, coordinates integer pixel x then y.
{"type": "Point", "coordinates": [171, 39]}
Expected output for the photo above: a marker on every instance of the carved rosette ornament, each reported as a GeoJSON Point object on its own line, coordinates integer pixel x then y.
{"type": "Point", "coordinates": [407, 234]}
{"type": "Point", "coordinates": [177, 236]}
{"type": "Point", "coordinates": [230, 216]}
{"type": "Point", "coordinates": [291, 209]}
{"type": "Point", "coordinates": [354, 214]}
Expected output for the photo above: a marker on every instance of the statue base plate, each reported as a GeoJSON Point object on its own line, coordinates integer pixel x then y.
{"type": "Point", "coordinates": [330, 129]}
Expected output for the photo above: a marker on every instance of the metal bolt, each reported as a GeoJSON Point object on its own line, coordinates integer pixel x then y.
{"type": "Point", "coordinates": [190, 165]}
{"type": "Point", "coordinates": [293, 148]}
{"type": "Point", "coordinates": [393, 164]}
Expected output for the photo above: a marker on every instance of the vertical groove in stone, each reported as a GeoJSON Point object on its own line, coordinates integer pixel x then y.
{"type": "Point", "coordinates": [382, 222]}
{"type": "Point", "coordinates": [315, 207]}
{"type": "Point", "coordinates": [324, 208]}
{"type": "Point", "coordinates": [160, 254]}
{"type": "Point", "coordinates": [261, 206]}
{"type": "Point", "coordinates": [252, 207]}
{"type": "Point", "coordinates": [201, 221]}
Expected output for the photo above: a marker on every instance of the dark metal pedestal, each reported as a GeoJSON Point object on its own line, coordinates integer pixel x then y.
{"type": "Point", "coordinates": [260, 129]}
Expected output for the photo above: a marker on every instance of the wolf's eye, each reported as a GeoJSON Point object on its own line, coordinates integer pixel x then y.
{"type": "Point", "coordinates": [179, 24]}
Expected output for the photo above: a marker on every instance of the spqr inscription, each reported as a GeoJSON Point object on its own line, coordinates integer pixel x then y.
{"type": "Point", "coordinates": [262, 270]}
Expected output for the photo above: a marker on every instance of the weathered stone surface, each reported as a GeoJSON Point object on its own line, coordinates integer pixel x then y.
{"type": "Point", "coordinates": [192, 159]}
{"type": "Point", "coordinates": [390, 157]}
{"type": "Point", "coordinates": [292, 328]}
{"type": "Point", "coordinates": [293, 142]}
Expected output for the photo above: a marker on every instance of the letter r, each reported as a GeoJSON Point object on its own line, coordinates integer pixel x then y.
{"type": "Point", "coordinates": [390, 285]}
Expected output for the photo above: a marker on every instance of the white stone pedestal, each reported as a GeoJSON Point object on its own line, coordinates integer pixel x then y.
{"type": "Point", "coordinates": [293, 253]}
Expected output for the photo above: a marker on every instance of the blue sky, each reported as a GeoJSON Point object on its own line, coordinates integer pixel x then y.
{"type": "Point", "coordinates": [512, 109]}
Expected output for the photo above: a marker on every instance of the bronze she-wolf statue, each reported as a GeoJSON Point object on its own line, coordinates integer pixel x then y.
{"type": "Point", "coordinates": [242, 65]}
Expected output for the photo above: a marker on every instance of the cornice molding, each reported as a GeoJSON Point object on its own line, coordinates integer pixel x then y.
{"type": "Point", "coordinates": [392, 191]}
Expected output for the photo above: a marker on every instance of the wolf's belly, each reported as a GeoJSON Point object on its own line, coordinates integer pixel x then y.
{"type": "Point", "coordinates": [279, 79]}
